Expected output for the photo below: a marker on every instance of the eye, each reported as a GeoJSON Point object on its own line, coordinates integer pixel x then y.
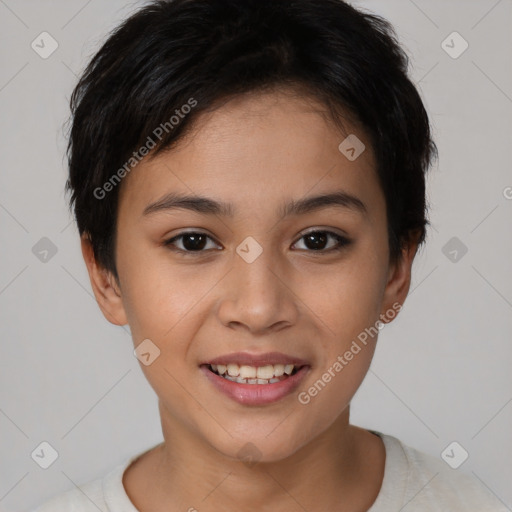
{"type": "Point", "coordinates": [190, 242]}
{"type": "Point", "coordinates": [197, 242]}
{"type": "Point", "coordinates": [318, 241]}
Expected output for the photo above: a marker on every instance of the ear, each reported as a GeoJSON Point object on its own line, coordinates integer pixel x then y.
{"type": "Point", "coordinates": [399, 281]}
{"type": "Point", "coordinates": [104, 285]}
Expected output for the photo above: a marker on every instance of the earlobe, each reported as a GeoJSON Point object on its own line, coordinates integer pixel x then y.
{"type": "Point", "coordinates": [104, 286]}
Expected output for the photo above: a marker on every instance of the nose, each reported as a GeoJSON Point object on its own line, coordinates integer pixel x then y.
{"type": "Point", "coordinates": [258, 296]}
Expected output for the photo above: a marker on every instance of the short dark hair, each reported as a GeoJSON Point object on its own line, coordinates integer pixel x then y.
{"type": "Point", "coordinates": [173, 53]}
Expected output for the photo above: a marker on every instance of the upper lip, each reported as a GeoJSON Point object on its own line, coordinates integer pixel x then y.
{"type": "Point", "coordinates": [245, 358]}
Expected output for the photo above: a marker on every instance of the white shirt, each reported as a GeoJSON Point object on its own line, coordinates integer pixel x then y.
{"type": "Point", "coordinates": [413, 481]}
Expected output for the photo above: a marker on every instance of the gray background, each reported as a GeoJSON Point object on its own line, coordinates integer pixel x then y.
{"type": "Point", "coordinates": [442, 368]}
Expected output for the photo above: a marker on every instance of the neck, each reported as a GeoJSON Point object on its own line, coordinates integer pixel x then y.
{"type": "Point", "coordinates": [341, 469]}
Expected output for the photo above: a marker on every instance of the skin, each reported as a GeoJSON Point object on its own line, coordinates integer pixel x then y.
{"type": "Point", "coordinates": [256, 152]}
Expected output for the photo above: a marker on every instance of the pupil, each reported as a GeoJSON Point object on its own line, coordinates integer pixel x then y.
{"type": "Point", "coordinates": [311, 238]}
{"type": "Point", "coordinates": [198, 241]}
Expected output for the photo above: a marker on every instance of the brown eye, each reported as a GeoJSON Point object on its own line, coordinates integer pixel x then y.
{"type": "Point", "coordinates": [190, 242]}
{"type": "Point", "coordinates": [319, 241]}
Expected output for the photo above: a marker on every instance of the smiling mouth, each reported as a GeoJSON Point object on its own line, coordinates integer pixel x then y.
{"type": "Point", "coordinates": [245, 374]}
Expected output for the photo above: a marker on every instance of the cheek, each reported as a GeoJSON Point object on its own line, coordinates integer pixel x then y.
{"type": "Point", "coordinates": [332, 389]}
{"type": "Point", "coordinates": [162, 306]}
{"type": "Point", "coordinates": [348, 303]}
{"type": "Point", "coordinates": [157, 292]}
{"type": "Point", "coordinates": [348, 297]}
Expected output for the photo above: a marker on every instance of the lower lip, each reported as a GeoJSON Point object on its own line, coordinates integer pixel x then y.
{"type": "Point", "coordinates": [256, 394]}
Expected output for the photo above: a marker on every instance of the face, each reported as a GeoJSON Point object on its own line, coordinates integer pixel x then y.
{"type": "Point", "coordinates": [257, 268]}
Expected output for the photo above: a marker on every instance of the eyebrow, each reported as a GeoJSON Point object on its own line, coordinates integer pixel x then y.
{"type": "Point", "coordinates": [209, 206]}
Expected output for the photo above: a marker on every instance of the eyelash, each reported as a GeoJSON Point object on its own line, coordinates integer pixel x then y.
{"type": "Point", "coordinates": [342, 242]}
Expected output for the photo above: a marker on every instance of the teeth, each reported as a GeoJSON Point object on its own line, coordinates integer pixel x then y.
{"type": "Point", "coordinates": [265, 372]}
{"type": "Point", "coordinates": [246, 374]}
{"type": "Point", "coordinates": [233, 370]}
{"type": "Point", "coordinates": [278, 370]}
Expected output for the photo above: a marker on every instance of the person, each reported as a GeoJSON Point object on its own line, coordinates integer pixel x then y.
{"type": "Point", "coordinates": [248, 180]}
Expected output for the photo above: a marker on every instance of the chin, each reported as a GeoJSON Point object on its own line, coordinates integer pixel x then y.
{"type": "Point", "coordinates": [258, 447]}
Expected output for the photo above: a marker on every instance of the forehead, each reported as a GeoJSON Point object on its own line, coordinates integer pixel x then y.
{"type": "Point", "coordinates": [255, 150]}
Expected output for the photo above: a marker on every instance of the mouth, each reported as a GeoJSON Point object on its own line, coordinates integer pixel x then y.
{"type": "Point", "coordinates": [255, 379]}
{"type": "Point", "coordinates": [246, 374]}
